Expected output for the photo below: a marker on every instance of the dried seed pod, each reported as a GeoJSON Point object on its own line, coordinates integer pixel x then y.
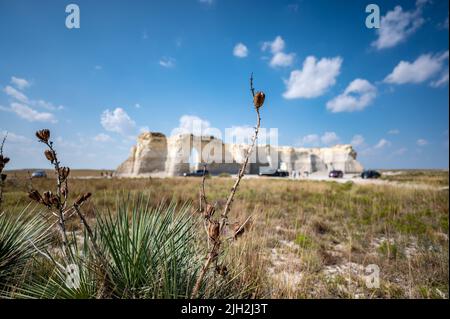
{"type": "Point", "coordinates": [64, 172]}
{"type": "Point", "coordinates": [43, 135]}
{"type": "Point", "coordinates": [82, 198]}
{"type": "Point", "coordinates": [47, 198]}
{"type": "Point", "coordinates": [34, 195]}
{"type": "Point", "coordinates": [49, 155]}
{"type": "Point", "coordinates": [86, 196]}
{"type": "Point", "coordinates": [4, 160]}
{"type": "Point", "coordinates": [238, 230]}
{"type": "Point", "coordinates": [54, 200]}
{"type": "Point", "coordinates": [3, 177]}
{"type": "Point", "coordinates": [213, 230]}
{"type": "Point", "coordinates": [79, 200]}
{"type": "Point", "coordinates": [222, 270]}
{"type": "Point", "coordinates": [258, 99]}
{"type": "Point", "coordinates": [209, 211]}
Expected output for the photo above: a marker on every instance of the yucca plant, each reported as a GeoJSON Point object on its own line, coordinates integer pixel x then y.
{"type": "Point", "coordinates": [59, 283]}
{"type": "Point", "coordinates": [150, 252]}
{"type": "Point", "coordinates": [22, 234]}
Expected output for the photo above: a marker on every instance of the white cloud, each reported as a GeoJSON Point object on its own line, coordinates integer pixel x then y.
{"type": "Point", "coordinates": [279, 58]}
{"type": "Point", "coordinates": [310, 140]}
{"type": "Point", "coordinates": [208, 2]}
{"type": "Point", "coordinates": [442, 81]}
{"type": "Point", "coordinates": [98, 67]}
{"type": "Point", "coordinates": [275, 46]}
{"type": "Point", "coordinates": [144, 129]}
{"type": "Point", "coordinates": [137, 105]}
{"type": "Point", "coordinates": [314, 79]}
{"type": "Point", "coordinates": [357, 96]}
{"type": "Point", "coordinates": [244, 134]}
{"type": "Point", "coordinates": [20, 97]}
{"type": "Point", "coordinates": [191, 124]}
{"type": "Point", "coordinates": [329, 138]}
{"type": "Point", "coordinates": [102, 137]}
{"type": "Point", "coordinates": [400, 151]}
{"type": "Point", "coordinates": [397, 25]}
{"type": "Point", "coordinates": [167, 62]}
{"type": "Point", "coordinates": [23, 106]}
{"type": "Point", "coordinates": [314, 140]}
{"type": "Point", "coordinates": [240, 50]}
{"type": "Point", "coordinates": [12, 92]}
{"type": "Point", "coordinates": [423, 68]}
{"type": "Point", "coordinates": [47, 105]}
{"type": "Point", "coordinates": [20, 83]}
{"type": "Point", "coordinates": [394, 132]}
{"type": "Point", "coordinates": [382, 143]}
{"type": "Point", "coordinates": [31, 115]}
{"type": "Point", "coordinates": [357, 140]}
{"type": "Point", "coordinates": [117, 121]}
{"type": "Point", "coordinates": [422, 142]}
{"type": "Point", "coordinates": [15, 138]}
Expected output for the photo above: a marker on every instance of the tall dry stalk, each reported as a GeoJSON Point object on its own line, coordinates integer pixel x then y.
{"type": "Point", "coordinates": [57, 202]}
{"type": "Point", "coordinates": [3, 161]}
{"type": "Point", "coordinates": [214, 228]}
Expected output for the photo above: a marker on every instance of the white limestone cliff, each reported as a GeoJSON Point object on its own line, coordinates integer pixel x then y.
{"type": "Point", "coordinates": [155, 154]}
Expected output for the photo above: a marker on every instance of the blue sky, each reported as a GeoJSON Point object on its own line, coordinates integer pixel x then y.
{"type": "Point", "coordinates": [133, 66]}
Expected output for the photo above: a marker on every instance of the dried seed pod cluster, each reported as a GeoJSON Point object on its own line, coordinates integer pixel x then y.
{"type": "Point", "coordinates": [34, 195]}
{"type": "Point", "coordinates": [49, 155]}
{"type": "Point", "coordinates": [3, 161]}
{"type": "Point", "coordinates": [64, 173]}
{"type": "Point", "coordinates": [48, 198]}
{"type": "Point", "coordinates": [213, 230]}
{"type": "Point", "coordinates": [222, 270]}
{"type": "Point", "coordinates": [208, 212]}
{"type": "Point", "coordinates": [43, 135]}
{"type": "Point", "coordinates": [258, 99]}
{"type": "Point", "coordinates": [57, 201]}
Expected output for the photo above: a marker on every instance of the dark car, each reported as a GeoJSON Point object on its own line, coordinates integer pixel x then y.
{"type": "Point", "coordinates": [39, 174]}
{"type": "Point", "coordinates": [370, 174]}
{"type": "Point", "coordinates": [197, 173]}
{"type": "Point", "coordinates": [273, 172]}
{"type": "Point", "coordinates": [336, 174]}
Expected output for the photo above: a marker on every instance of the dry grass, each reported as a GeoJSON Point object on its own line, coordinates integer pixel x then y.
{"type": "Point", "coordinates": [428, 177]}
{"type": "Point", "coordinates": [310, 239]}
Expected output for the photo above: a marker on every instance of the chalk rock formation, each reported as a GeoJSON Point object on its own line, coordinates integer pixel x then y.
{"type": "Point", "coordinates": [156, 154]}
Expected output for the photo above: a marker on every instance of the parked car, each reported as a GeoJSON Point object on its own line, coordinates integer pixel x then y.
{"type": "Point", "coordinates": [39, 174]}
{"type": "Point", "coordinates": [197, 173]}
{"type": "Point", "coordinates": [267, 171]}
{"type": "Point", "coordinates": [370, 174]}
{"type": "Point", "coordinates": [336, 174]}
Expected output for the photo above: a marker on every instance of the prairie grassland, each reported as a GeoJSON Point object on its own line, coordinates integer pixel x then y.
{"type": "Point", "coordinates": [306, 239]}
{"type": "Point", "coordinates": [428, 177]}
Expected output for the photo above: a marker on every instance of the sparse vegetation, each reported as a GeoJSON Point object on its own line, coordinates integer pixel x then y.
{"type": "Point", "coordinates": [428, 177]}
{"type": "Point", "coordinates": [345, 228]}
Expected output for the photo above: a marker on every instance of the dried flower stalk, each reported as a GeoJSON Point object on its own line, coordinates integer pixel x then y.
{"type": "Point", "coordinates": [215, 229]}
{"type": "Point", "coordinates": [3, 161]}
